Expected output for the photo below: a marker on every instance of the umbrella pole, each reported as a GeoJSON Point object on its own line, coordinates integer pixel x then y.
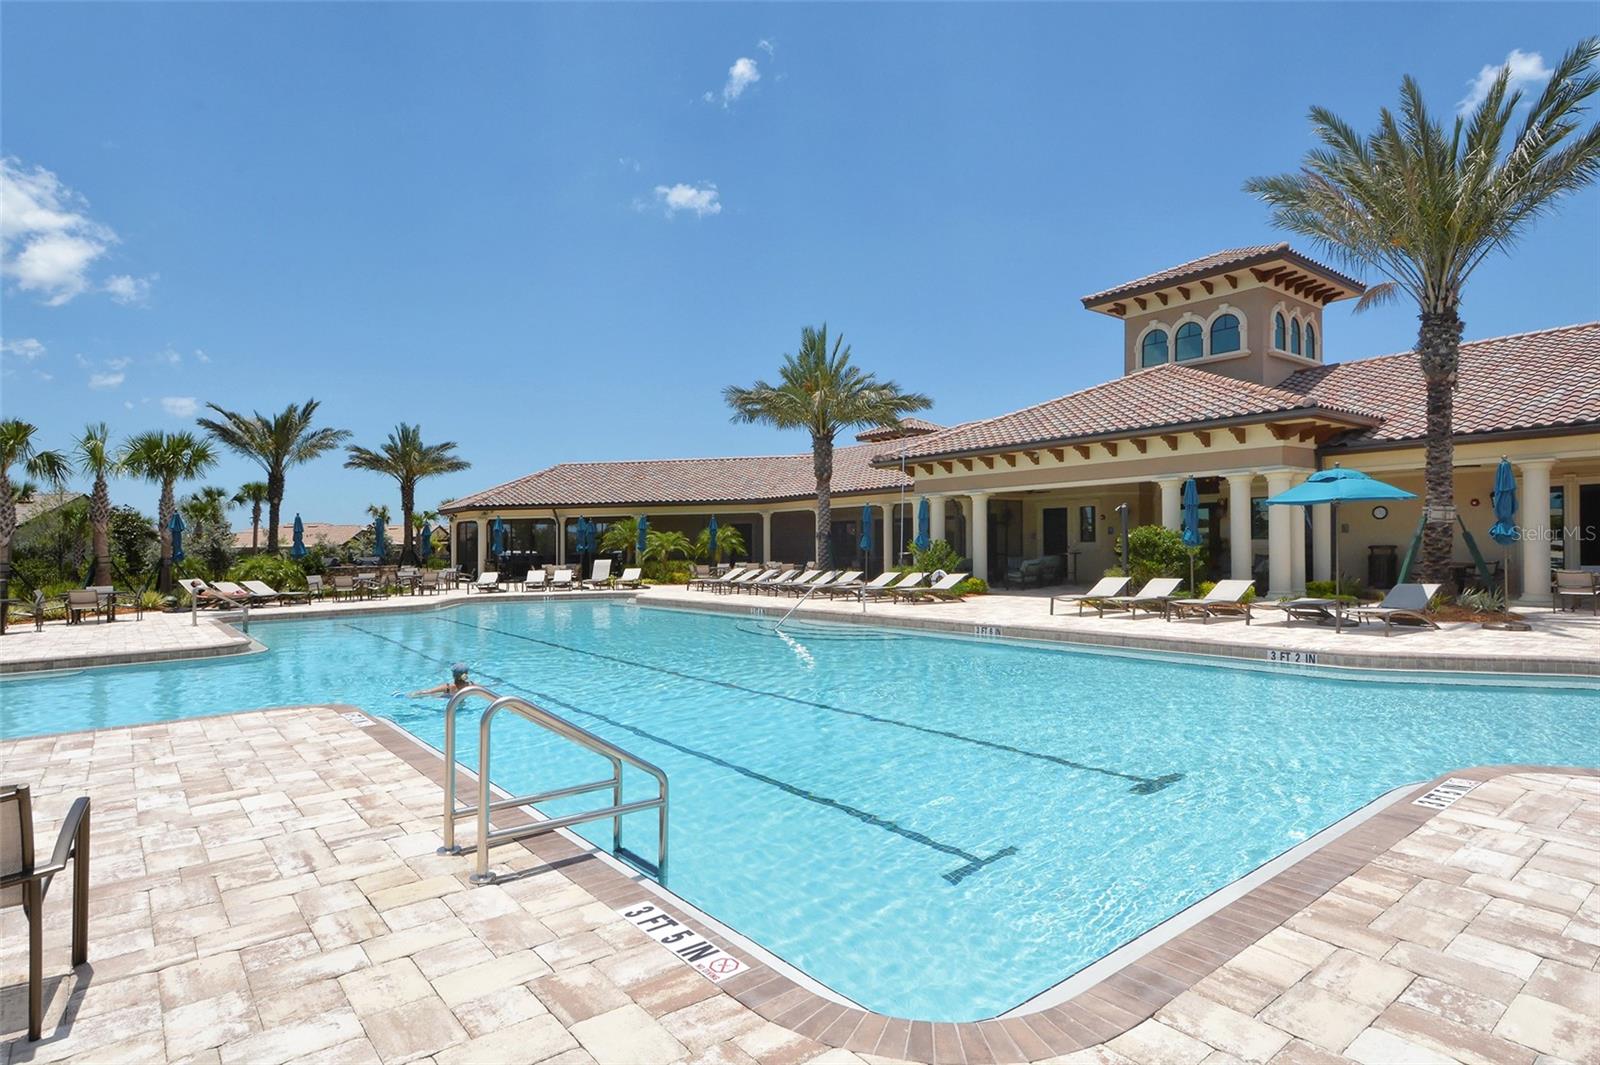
{"type": "Point", "coordinates": [1338, 604]}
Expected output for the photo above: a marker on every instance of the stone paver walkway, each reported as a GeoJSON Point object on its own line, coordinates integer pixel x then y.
{"type": "Point", "coordinates": [266, 890]}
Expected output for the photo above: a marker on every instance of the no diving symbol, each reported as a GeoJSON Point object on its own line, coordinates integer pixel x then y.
{"type": "Point", "coordinates": [723, 965]}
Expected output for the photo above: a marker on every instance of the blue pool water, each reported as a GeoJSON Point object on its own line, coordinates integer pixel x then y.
{"type": "Point", "coordinates": [935, 828]}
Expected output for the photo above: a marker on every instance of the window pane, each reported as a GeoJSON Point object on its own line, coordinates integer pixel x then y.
{"type": "Point", "coordinates": [1086, 526]}
{"type": "Point", "coordinates": [1294, 337]}
{"type": "Point", "coordinates": [1225, 335]}
{"type": "Point", "coordinates": [1154, 350]}
{"type": "Point", "coordinates": [1279, 333]}
{"type": "Point", "coordinates": [1311, 341]}
{"type": "Point", "coordinates": [1190, 341]}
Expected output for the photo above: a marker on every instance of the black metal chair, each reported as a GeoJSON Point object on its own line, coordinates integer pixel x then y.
{"type": "Point", "coordinates": [24, 884]}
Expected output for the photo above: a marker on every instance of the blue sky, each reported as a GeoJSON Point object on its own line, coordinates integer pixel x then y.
{"type": "Point", "coordinates": [556, 232]}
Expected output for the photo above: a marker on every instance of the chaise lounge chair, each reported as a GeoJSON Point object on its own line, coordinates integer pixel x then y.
{"type": "Point", "coordinates": [805, 582]}
{"type": "Point", "coordinates": [265, 593]}
{"type": "Point", "coordinates": [745, 579]}
{"type": "Point", "coordinates": [1103, 588]}
{"type": "Point", "coordinates": [561, 580]}
{"type": "Point", "coordinates": [943, 590]}
{"type": "Point", "coordinates": [732, 574]}
{"type": "Point", "coordinates": [632, 577]}
{"type": "Point", "coordinates": [908, 582]}
{"type": "Point", "coordinates": [1226, 599]}
{"type": "Point", "coordinates": [535, 580]}
{"type": "Point", "coordinates": [1152, 598]}
{"type": "Point", "coordinates": [860, 589]}
{"type": "Point", "coordinates": [486, 582]}
{"type": "Point", "coordinates": [1405, 602]}
{"type": "Point", "coordinates": [771, 579]}
{"type": "Point", "coordinates": [599, 575]}
{"type": "Point", "coordinates": [824, 582]}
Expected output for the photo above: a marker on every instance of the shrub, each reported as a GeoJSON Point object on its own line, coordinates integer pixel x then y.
{"type": "Point", "coordinates": [936, 556]}
{"type": "Point", "coordinates": [1482, 600]}
{"type": "Point", "coordinates": [973, 586]}
{"type": "Point", "coordinates": [279, 573]}
{"type": "Point", "coordinates": [668, 572]}
{"type": "Point", "coordinates": [1349, 590]}
{"type": "Point", "coordinates": [1157, 551]}
{"type": "Point", "coordinates": [1207, 586]}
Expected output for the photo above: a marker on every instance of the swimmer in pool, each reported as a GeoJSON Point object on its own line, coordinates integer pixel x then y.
{"type": "Point", "coordinates": [458, 680]}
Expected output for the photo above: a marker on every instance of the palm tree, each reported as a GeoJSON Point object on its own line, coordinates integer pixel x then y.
{"type": "Point", "coordinates": [252, 494]}
{"type": "Point", "coordinates": [379, 513]}
{"type": "Point", "coordinates": [421, 518]}
{"type": "Point", "coordinates": [408, 460]}
{"type": "Point", "coordinates": [165, 459]}
{"type": "Point", "coordinates": [276, 443]}
{"type": "Point", "coordinates": [729, 541]}
{"type": "Point", "coordinates": [820, 391]}
{"type": "Point", "coordinates": [622, 535]}
{"type": "Point", "coordinates": [16, 449]}
{"type": "Point", "coordinates": [660, 546]}
{"type": "Point", "coordinates": [1424, 208]}
{"type": "Point", "coordinates": [96, 459]}
{"type": "Point", "coordinates": [206, 503]}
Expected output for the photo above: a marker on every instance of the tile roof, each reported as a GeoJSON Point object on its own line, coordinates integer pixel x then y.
{"type": "Point", "coordinates": [754, 479]}
{"type": "Point", "coordinates": [907, 427]}
{"type": "Point", "coordinates": [333, 534]}
{"type": "Point", "coordinates": [1157, 398]}
{"type": "Point", "coordinates": [1544, 379]}
{"type": "Point", "coordinates": [1216, 262]}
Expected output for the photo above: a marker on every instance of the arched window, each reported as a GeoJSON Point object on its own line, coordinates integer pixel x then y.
{"type": "Point", "coordinates": [1153, 352]}
{"type": "Point", "coordinates": [1311, 341]}
{"type": "Point", "coordinates": [1280, 329]}
{"type": "Point", "coordinates": [1294, 336]}
{"type": "Point", "coordinates": [1224, 334]}
{"type": "Point", "coordinates": [1189, 342]}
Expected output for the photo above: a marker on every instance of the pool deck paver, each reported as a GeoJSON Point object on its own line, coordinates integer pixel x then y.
{"type": "Point", "coordinates": [265, 890]}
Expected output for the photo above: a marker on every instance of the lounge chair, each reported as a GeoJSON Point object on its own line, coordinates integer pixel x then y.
{"type": "Point", "coordinates": [708, 582]}
{"type": "Point", "coordinates": [535, 580]}
{"type": "Point", "coordinates": [770, 579]}
{"type": "Point", "coordinates": [844, 580]}
{"type": "Point", "coordinates": [205, 595]}
{"type": "Point", "coordinates": [24, 883]}
{"type": "Point", "coordinates": [802, 584]}
{"type": "Point", "coordinates": [264, 592]}
{"type": "Point", "coordinates": [1307, 608]}
{"type": "Point", "coordinates": [632, 577]}
{"type": "Point", "coordinates": [1405, 602]}
{"type": "Point", "coordinates": [600, 575]}
{"type": "Point", "coordinates": [486, 582]}
{"type": "Point", "coordinates": [1104, 587]}
{"type": "Point", "coordinates": [744, 578]}
{"type": "Point", "coordinates": [238, 594]}
{"type": "Point", "coordinates": [859, 588]}
{"type": "Point", "coordinates": [906, 583]}
{"type": "Point", "coordinates": [944, 590]}
{"type": "Point", "coordinates": [1227, 598]}
{"type": "Point", "coordinates": [1576, 585]}
{"type": "Point", "coordinates": [561, 579]}
{"type": "Point", "coordinates": [1153, 598]}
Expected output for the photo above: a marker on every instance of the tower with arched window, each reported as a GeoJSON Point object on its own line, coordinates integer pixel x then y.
{"type": "Point", "coordinates": [1252, 313]}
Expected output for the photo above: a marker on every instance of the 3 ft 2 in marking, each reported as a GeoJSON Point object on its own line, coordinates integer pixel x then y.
{"type": "Point", "coordinates": [986, 630]}
{"type": "Point", "coordinates": [1293, 658]}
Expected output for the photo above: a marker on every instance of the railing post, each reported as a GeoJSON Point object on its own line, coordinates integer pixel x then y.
{"type": "Point", "coordinates": [448, 831]}
{"type": "Point", "coordinates": [616, 800]}
{"type": "Point", "coordinates": [661, 840]}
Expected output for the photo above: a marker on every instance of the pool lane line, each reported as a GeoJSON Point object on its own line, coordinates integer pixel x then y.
{"type": "Point", "coordinates": [1142, 785]}
{"type": "Point", "coordinates": [974, 862]}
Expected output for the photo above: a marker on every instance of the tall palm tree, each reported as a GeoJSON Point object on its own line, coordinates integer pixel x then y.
{"type": "Point", "coordinates": [820, 391]}
{"type": "Point", "coordinates": [408, 460]}
{"type": "Point", "coordinates": [17, 449]}
{"type": "Point", "coordinates": [165, 459]}
{"type": "Point", "coordinates": [1424, 208]}
{"type": "Point", "coordinates": [206, 503]}
{"type": "Point", "coordinates": [276, 443]}
{"type": "Point", "coordinates": [96, 459]}
{"type": "Point", "coordinates": [252, 494]}
{"type": "Point", "coordinates": [622, 535]}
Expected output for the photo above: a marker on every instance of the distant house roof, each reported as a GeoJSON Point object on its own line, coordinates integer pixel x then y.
{"type": "Point", "coordinates": [1544, 379]}
{"type": "Point", "coordinates": [751, 480]}
{"type": "Point", "coordinates": [316, 532]}
{"type": "Point", "coordinates": [1219, 262]}
{"type": "Point", "coordinates": [43, 503]}
{"type": "Point", "coordinates": [907, 427]}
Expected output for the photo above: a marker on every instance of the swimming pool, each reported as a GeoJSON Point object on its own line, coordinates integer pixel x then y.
{"type": "Point", "coordinates": [934, 827]}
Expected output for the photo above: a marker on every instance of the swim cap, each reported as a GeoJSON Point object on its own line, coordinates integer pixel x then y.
{"type": "Point", "coordinates": [457, 669]}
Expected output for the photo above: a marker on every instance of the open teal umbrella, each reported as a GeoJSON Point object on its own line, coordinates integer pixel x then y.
{"type": "Point", "coordinates": [644, 531]}
{"type": "Point", "coordinates": [711, 540]}
{"type": "Point", "coordinates": [866, 533]}
{"type": "Point", "coordinates": [298, 548]}
{"type": "Point", "coordinates": [924, 522]}
{"type": "Point", "coordinates": [1504, 530]}
{"type": "Point", "coordinates": [176, 525]}
{"type": "Point", "coordinates": [1191, 525]}
{"type": "Point", "coordinates": [1336, 486]}
{"type": "Point", "coordinates": [425, 548]}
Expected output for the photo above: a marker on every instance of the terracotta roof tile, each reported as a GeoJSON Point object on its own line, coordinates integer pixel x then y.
{"type": "Point", "coordinates": [316, 532]}
{"type": "Point", "coordinates": [1207, 265]}
{"type": "Point", "coordinates": [908, 427]}
{"type": "Point", "coordinates": [758, 479]}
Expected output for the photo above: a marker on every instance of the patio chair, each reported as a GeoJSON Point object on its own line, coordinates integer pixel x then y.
{"type": "Point", "coordinates": [314, 586]}
{"type": "Point", "coordinates": [1153, 598]}
{"type": "Point", "coordinates": [487, 582]}
{"type": "Point", "coordinates": [632, 577]}
{"type": "Point", "coordinates": [24, 883]}
{"type": "Point", "coordinates": [427, 582]}
{"type": "Point", "coordinates": [263, 592]}
{"type": "Point", "coordinates": [344, 586]}
{"type": "Point", "coordinates": [600, 575]}
{"type": "Point", "coordinates": [1405, 602]}
{"type": "Point", "coordinates": [1576, 585]}
{"type": "Point", "coordinates": [906, 583]}
{"type": "Point", "coordinates": [942, 590]}
{"type": "Point", "coordinates": [859, 588]}
{"type": "Point", "coordinates": [1104, 587]}
{"type": "Point", "coordinates": [1224, 600]}
{"type": "Point", "coordinates": [35, 611]}
{"type": "Point", "coordinates": [561, 579]}
{"type": "Point", "coordinates": [110, 599]}
{"type": "Point", "coordinates": [81, 601]}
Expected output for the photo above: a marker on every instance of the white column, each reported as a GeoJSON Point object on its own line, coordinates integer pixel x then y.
{"type": "Point", "coordinates": [889, 531]}
{"type": "Point", "coordinates": [1322, 542]}
{"type": "Point", "coordinates": [766, 536]}
{"type": "Point", "coordinates": [483, 545]}
{"type": "Point", "coordinates": [1280, 537]}
{"type": "Point", "coordinates": [1240, 551]}
{"type": "Point", "coordinates": [1171, 502]}
{"type": "Point", "coordinates": [1297, 545]}
{"type": "Point", "coordinates": [936, 518]}
{"type": "Point", "coordinates": [455, 538]}
{"type": "Point", "coordinates": [1533, 518]}
{"type": "Point", "coordinates": [561, 541]}
{"type": "Point", "coordinates": [979, 537]}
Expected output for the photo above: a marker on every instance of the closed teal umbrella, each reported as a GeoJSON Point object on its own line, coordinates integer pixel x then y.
{"type": "Point", "coordinates": [176, 525]}
{"type": "Point", "coordinates": [866, 533]}
{"type": "Point", "coordinates": [1504, 530]}
{"type": "Point", "coordinates": [1191, 525]}
{"type": "Point", "coordinates": [711, 540]}
{"type": "Point", "coordinates": [425, 548]}
{"type": "Point", "coordinates": [380, 538]}
{"type": "Point", "coordinates": [497, 532]}
{"type": "Point", "coordinates": [298, 548]}
{"type": "Point", "coordinates": [924, 525]}
{"type": "Point", "coordinates": [644, 531]}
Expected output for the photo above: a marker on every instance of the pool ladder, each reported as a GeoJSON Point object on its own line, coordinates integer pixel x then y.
{"type": "Point", "coordinates": [560, 726]}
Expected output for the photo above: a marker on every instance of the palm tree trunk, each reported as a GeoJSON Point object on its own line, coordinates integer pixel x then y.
{"type": "Point", "coordinates": [8, 529]}
{"type": "Point", "coordinates": [822, 466]}
{"type": "Point", "coordinates": [164, 521]}
{"type": "Point", "coordinates": [274, 508]}
{"type": "Point", "coordinates": [100, 522]}
{"type": "Point", "coordinates": [408, 501]}
{"type": "Point", "coordinates": [255, 528]}
{"type": "Point", "coordinates": [1439, 347]}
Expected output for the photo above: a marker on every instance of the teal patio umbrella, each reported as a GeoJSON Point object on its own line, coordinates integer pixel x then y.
{"type": "Point", "coordinates": [1504, 530]}
{"type": "Point", "coordinates": [639, 544]}
{"type": "Point", "coordinates": [924, 523]}
{"type": "Point", "coordinates": [177, 527]}
{"type": "Point", "coordinates": [866, 535]}
{"type": "Point", "coordinates": [1191, 525]}
{"type": "Point", "coordinates": [1336, 486]}
{"type": "Point", "coordinates": [711, 540]}
{"type": "Point", "coordinates": [298, 548]}
{"type": "Point", "coordinates": [425, 548]}
{"type": "Point", "coordinates": [497, 532]}
{"type": "Point", "coordinates": [380, 539]}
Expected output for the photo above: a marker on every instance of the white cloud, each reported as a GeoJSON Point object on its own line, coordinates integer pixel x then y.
{"type": "Point", "coordinates": [766, 45]}
{"type": "Point", "coordinates": [628, 162]}
{"type": "Point", "coordinates": [180, 406]}
{"type": "Point", "coordinates": [106, 380]}
{"type": "Point", "coordinates": [201, 356]}
{"type": "Point", "coordinates": [743, 74]}
{"type": "Point", "coordinates": [128, 290]}
{"type": "Point", "coordinates": [44, 376]}
{"type": "Point", "coordinates": [701, 199]}
{"type": "Point", "coordinates": [127, 404]}
{"type": "Point", "coordinates": [25, 348]}
{"type": "Point", "coordinates": [170, 356]}
{"type": "Point", "coordinates": [1527, 71]}
{"type": "Point", "coordinates": [47, 243]}
{"type": "Point", "coordinates": [121, 363]}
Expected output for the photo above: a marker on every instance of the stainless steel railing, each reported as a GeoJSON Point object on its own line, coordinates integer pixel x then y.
{"type": "Point", "coordinates": [560, 726]}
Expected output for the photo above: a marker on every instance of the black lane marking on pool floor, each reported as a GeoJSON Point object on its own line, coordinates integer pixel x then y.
{"type": "Point", "coordinates": [974, 862]}
{"type": "Point", "coordinates": [1142, 785]}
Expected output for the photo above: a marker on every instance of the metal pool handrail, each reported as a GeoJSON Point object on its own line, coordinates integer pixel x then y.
{"type": "Point", "coordinates": [560, 726]}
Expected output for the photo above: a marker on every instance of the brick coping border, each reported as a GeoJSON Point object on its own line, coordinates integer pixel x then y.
{"type": "Point", "coordinates": [1109, 1007]}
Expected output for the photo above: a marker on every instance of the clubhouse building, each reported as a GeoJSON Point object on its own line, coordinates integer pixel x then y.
{"type": "Point", "coordinates": [1224, 379]}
